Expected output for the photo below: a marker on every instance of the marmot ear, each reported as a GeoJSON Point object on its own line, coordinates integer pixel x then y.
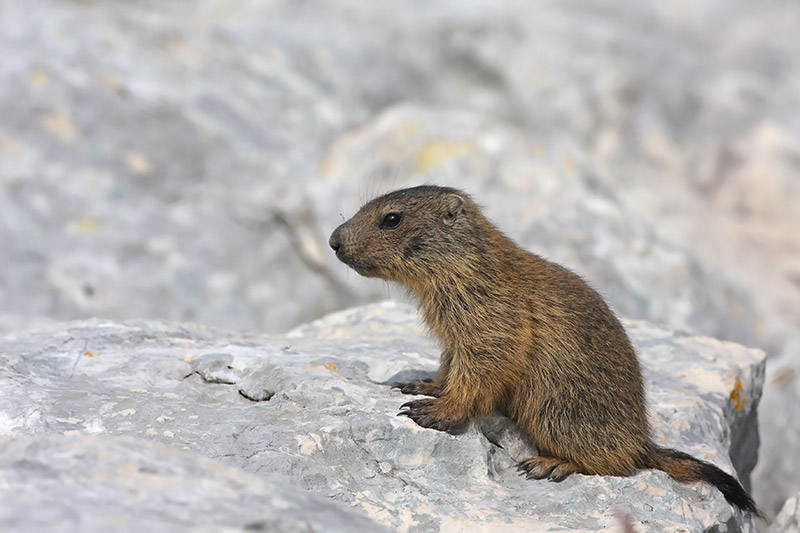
{"type": "Point", "coordinates": [453, 206]}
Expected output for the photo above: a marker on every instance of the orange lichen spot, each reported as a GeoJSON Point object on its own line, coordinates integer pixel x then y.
{"type": "Point", "coordinates": [89, 354]}
{"type": "Point", "coordinates": [737, 395]}
{"type": "Point", "coordinates": [662, 441]}
{"type": "Point", "coordinates": [327, 366]}
{"type": "Point", "coordinates": [190, 360]}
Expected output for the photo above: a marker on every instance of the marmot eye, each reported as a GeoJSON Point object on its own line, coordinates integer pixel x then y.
{"type": "Point", "coordinates": [392, 220]}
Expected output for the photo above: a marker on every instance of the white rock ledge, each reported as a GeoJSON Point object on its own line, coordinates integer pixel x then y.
{"type": "Point", "coordinates": [788, 520]}
{"type": "Point", "coordinates": [323, 449]}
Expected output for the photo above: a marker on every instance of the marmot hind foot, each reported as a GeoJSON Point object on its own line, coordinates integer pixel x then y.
{"type": "Point", "coordinates": [553, 468]}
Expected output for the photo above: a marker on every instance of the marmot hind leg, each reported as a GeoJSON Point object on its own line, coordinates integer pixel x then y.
{"type": "Point", "coordinates": [553, 468]}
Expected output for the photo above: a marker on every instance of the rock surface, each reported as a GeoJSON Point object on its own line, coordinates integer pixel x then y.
{"type": "Point", "coordinates": [546, 195]}
{"type": "Point", "coordinates": [108, 407]}
{"type": "Point", "coordinates": [87, 483]}
{"type": "Point", "coordinates": [131, 177]}
{"type": "Point", "coordinates": [168, 160]}
{"type": "Point", "coordinates": [788, 520]}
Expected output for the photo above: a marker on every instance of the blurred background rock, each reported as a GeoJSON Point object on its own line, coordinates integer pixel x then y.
{"type": "Point", "coordinates": [186, 160]}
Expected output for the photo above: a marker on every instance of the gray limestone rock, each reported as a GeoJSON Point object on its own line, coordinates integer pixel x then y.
{"type": "Point", "coordinates": [553, 198]}
{"type": "Point", "coordinates": [132, 177]}
{"type": "Point", "coordinates": [95, 483]}
{"type": "Point", "coordinates": [159, 160]}
{"type": "Point", "coordinates": [547, 196]}
{"type": "Point", "coordinates": [788, 520]}
{"type": "Point", "coordinates": [778, 471]}
{"type": "Point", "coordinates": [312, 411]}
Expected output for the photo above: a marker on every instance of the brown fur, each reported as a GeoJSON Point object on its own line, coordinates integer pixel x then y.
{"type": "Point", "coordinates": [520, 334]}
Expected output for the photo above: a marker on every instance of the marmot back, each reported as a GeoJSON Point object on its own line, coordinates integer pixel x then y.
{"type": "Point", "coordinates": [520, 334]}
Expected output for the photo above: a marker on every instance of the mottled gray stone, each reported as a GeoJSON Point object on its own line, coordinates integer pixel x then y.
{"type": "Point", "coordinates": [547, 196]}
{"type": "Point", "coordinates": [788, 520]}
{"type": "Point", "coordinates": [778, 472]}
{"type": "Point", "coordinates": [96, 483]}
{"type": "Point", "coordinates": [550, 196]}
{"type": "Point", "coordinates": [158, 163]}
{"type": "Point", "coordinates": [132, 177]}
{"type": "Point", "coordinates": [329, 426]}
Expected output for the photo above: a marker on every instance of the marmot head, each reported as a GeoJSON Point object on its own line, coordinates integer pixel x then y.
{"type": "Point", "coordinates": [410, 234]}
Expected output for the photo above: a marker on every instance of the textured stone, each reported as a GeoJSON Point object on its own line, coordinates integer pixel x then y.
{"type": "Point", "coordinates": [788, 520]}
{"type": "Point", "coordinates": [182, 145]}
{"type": "Point", "coordinates": [160, 162]}
{"type": "Point", "coordinates": [549, 197]}
{"type": "Point", "coordinates": [778, 472]}
{"type": "Point", "coordinates": [88, 483]}
{"type": "Point", "coordinates": [328, 426]}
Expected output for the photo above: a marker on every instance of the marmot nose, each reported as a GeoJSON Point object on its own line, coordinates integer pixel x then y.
{"type": "Point", "coordinates": [334, 241]}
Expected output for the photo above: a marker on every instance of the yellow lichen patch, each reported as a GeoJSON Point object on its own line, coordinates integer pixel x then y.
{"type": "Point", "coordinates": [39, 77]}
{"type": "Point", "coordinates": [190, 359]}
{"type": "Point", "coordinates": [432, 153]}
{"type": "Point", "coordinates": [107, 79]}
{"type": "Point", "coordinates": [84, 226]}
{"type": "Point", "coordinates": [737, 394]}
{"type": "Point", "coordinates": [327, 366]}
{"type": "Point", "coordinates": [60, 125]}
